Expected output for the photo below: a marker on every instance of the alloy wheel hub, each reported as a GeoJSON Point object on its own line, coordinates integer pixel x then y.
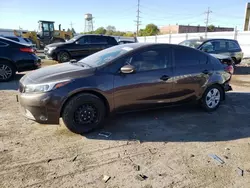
{"type": "Point", "coordinates": [5, 71]}
{"type": "Point", "coordinates": [86, 114]}
{"type": "Point", "coordinates": [213, 98]}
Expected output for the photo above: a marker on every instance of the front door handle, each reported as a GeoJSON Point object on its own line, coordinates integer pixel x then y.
{"type": "Point", "coordinates": [164, 77]}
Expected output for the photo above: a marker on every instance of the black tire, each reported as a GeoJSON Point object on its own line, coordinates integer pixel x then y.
{"type": "Point", "coordinates": [7, 71]}
{"type": "Point", "coordinates": [83, 113]}
{"type": "Point", "coordinates": [235, 61]}
{"type": "Point", "coordinates": [204, 100]}
{"type": "Point", "coordinates": [63, 57]}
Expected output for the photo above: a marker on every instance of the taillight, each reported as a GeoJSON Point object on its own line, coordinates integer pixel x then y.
{"type": "Point", "coordinates": [29, 50]}
{"type": "Point", "coordinates": [229, 69]}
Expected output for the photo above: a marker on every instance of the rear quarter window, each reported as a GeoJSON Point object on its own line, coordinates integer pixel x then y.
{"type": "Point", "coordinates": [233, 45]}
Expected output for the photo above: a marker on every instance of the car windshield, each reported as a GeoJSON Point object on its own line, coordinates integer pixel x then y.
{"type": "Point", "coordinates": [102, 57]}
{"type": "Point", "coordinates": [191, 43]}
{"type": "Point", "coordinates": [74, 39]}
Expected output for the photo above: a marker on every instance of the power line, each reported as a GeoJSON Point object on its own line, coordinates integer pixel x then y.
{"type": "Point", "coordinates": [207, 20]}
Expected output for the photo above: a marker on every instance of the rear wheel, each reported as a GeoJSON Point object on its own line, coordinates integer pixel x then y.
{"type": "Point", "coordinates": [63, 57]}
{"type": "Point", "coordinates": [83, 113]}
{"type": "Point", "coordinates": [212, 98]}
{"type": "Point", "coordinates": [7, 71]}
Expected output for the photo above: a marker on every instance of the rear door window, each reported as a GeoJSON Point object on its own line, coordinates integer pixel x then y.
{"type": "Point", "coordinates": [186, 57]}
{"type": "Point", "coordinates": [97, 40]}
{"type": "Point", "coordinates": [220, 45]}
{"type": "Point", "coordinates": [112, 41]}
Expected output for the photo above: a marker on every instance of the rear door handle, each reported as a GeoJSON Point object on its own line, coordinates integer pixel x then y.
{"type": "Point", "coordinates": [164, 77]}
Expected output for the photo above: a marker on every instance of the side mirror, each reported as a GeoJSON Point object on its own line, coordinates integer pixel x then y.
{"type": "Point", "coordinates": [127, 69]}
{"type": "Point", "coordinates": [77, 42]}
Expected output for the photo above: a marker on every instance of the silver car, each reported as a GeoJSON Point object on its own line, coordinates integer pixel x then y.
{"type": "Point", "coordinates": [226, 47]}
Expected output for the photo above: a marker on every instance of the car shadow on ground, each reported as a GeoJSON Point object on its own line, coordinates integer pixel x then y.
{"type": "Point", "coordinates": [13, 84]}
{"type": "Point", "coordinates": [183, 123]}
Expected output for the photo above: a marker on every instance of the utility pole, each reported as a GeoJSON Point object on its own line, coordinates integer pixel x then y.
{"type": "Point", "coordinates": [138, 22]}
{"type": "Point", "coordinates": [207, 20]}
{"type": "Point", "coordinates": [71, 25]}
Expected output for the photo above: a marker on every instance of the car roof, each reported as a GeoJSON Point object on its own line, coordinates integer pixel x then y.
{"type": "Point", "coordinates": [206, 40]}
{"type": "Point", "coordinates": [137, 45]}
{"type": "Point", "coordinates": [81, 35]}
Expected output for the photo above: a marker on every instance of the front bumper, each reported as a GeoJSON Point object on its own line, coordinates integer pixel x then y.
{"type": "Point", "coordinates": [49, 54]}
{"type": "Point", "coordinates": [39, 107]}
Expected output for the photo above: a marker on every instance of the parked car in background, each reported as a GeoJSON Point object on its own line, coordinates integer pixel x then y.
{"type": "Point", "coordinates": [125, 41]}
{"type": "Point", "coordinates": [16, 57]}
{"type": "Point", "coordinates": [122, 78]}
{"type": "Point", "coordinates": [225, 47]}
{"type": "Point", "coordinates": [21, 40]}
{"type": "Point", "coordinates": [78, 47]}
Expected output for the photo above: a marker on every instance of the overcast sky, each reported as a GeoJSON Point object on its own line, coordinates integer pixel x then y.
{"type": "Point", "coordinates": [121, 14]}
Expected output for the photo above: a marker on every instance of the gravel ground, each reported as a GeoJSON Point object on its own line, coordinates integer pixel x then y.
{"type": "Point", "coordinates": [170, 147]}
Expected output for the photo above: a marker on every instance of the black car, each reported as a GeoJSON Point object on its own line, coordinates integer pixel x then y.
{"type": "Point", "coordinates": [125, 42]}
{"type": "Point", "coordinates": [123, 78]}
{"type": "Point", "coordinates": [226, 47]}
{"type": "Point", "coordinates": [16, 57]}
{"type": "Point", "coordinates": [78, 47]}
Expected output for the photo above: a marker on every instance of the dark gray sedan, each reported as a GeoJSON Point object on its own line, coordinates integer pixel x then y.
{"type": "Point", "coordinates": [120, 79]}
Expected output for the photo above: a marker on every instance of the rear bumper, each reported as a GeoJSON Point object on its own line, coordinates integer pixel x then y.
{"type": "Point", "coordinates": [227, 87]}
{"type": "Point", "coordinates": [30, 64]}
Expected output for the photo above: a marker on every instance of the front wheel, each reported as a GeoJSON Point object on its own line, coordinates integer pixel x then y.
{"type": "Point", "coordinates": [63, 57]}
{"type": "Point", "coordinates": [212, 98]}
{"type": "Point", "coordinates": [83, 113]}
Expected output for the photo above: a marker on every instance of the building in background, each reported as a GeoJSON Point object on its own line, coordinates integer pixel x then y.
{"type": "Point", "coordinates": [191, 29]}
{"type": "Point", "coordinates": [247, 17]}
{"type": "Point", "coordinates": [11, 32]}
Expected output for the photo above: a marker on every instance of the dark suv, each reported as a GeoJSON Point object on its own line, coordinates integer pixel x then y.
{"type": "Point", "coordinates": [123, 78]}
{"type": "Point", "coordinates": [16, 57]}
{"type": "Point", "coordinates": [78, 47]}
{"type": "Point", "coordinates": [225, 47]}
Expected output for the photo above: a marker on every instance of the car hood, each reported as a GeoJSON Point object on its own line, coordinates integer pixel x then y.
{"type": "Point", "coordinates": [65, 71]}
{"type": "Point", "coordinates": [57, 44]}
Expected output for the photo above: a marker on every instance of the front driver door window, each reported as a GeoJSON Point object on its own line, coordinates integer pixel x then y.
{"type": "Point", "coordinates": [81, 47]}
{"type": "Point", "coordinates": [148, 86]}
{"type": "Point", "coordinates": [149, 60]}
{"type": "Point", "coordinates": [208, 47]}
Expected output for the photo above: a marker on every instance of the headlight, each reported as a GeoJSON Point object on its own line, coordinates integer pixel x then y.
{"type": "Point", "coordinates": [41, 88]}
{"type": "Point", "coordinates": [51, 48]}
